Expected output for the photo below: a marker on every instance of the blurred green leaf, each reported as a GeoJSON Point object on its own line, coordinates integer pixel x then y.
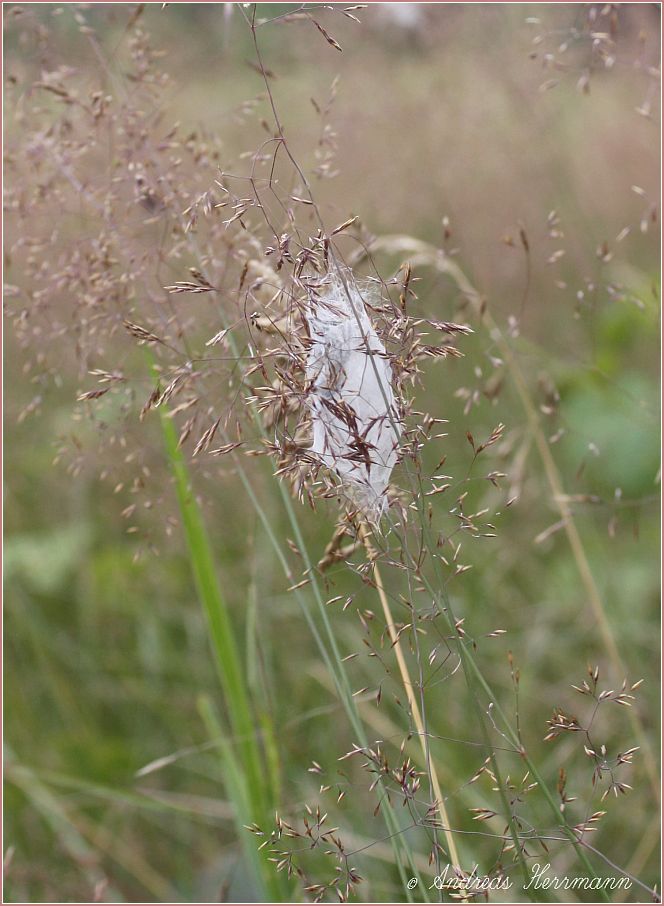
{"type": "Point", "coordinates": [45, 561]}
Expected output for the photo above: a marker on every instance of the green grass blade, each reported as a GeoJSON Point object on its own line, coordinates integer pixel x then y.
{"type": "Point", "coordinates": [248, 782]}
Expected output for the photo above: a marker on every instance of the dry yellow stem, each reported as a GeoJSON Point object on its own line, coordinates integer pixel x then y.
{"type": "Point", "coordinates": [410, 694]}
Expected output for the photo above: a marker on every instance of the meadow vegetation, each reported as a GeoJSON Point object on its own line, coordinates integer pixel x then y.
{"type": "Point", "coordinates": [222, 681]}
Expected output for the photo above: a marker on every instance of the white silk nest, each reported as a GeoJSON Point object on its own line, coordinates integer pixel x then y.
{"type": "Point", "coordinates": [355, 422]}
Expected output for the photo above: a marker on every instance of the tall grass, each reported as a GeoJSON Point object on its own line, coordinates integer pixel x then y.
{"type": "Point", "coordinates": [244, 746]}
{"type": "Point", "coordinates": [427, 752]}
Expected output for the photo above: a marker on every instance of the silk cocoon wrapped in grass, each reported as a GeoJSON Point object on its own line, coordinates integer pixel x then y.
{"type": "Point", "coordinates": [354, 419]}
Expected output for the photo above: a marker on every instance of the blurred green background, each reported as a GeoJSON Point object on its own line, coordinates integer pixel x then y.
{"type": "Point", "coordinates": [458, 125]}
